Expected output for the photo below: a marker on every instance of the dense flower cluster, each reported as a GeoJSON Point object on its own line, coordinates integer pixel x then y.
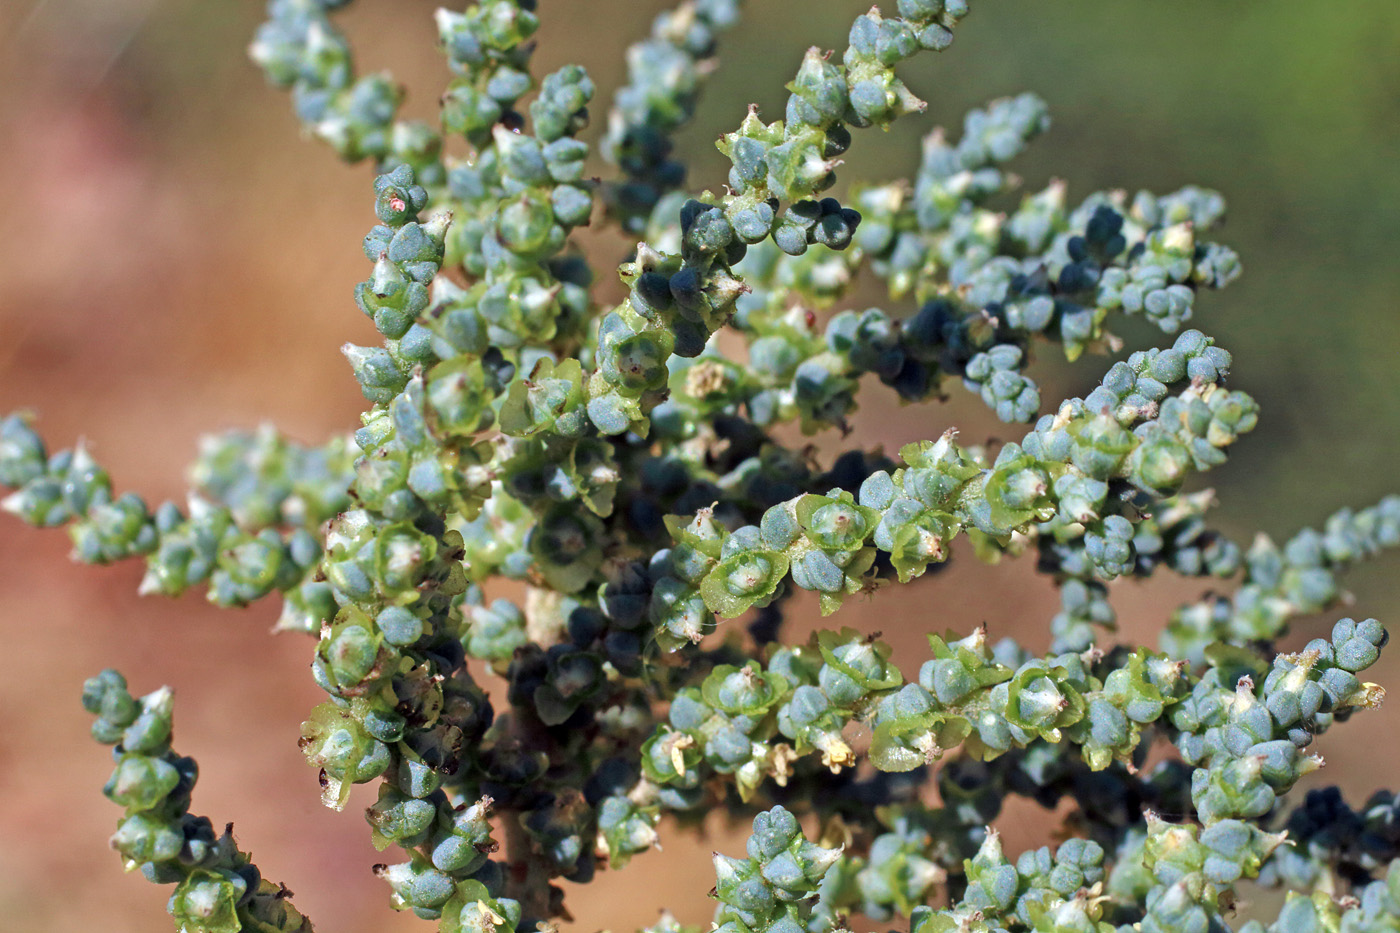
{"type": "Point", "coordinates": [623, 467]}
{"type": "Point", "coordinates": [217, 886]}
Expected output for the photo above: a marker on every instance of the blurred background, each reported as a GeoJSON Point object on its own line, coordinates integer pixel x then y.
{"type": "Point", "coordinates": [180, 261]}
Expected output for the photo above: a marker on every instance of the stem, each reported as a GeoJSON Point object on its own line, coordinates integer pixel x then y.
{"type": "Point", "coordinates": [527, 879]}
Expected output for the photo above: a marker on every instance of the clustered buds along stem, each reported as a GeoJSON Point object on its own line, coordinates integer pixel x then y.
{"type": "Point", "coordinates": [629, 470]}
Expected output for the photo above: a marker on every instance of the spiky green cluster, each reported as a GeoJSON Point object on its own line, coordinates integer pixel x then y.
{"type": "Point", "coordinates": [626, 465]}
{"type": "Point", "coordinates": [251, 528]}
{"type": "Point", "coordinates": [754, 721]}
{"type": "Point", "coordinates": [218, 889]}
{"type": "Point", "coordinates": [774, 888]}
{"type": "Point", "coordinates": [1283, 582]}
{"type": "Point", "coordinates": [1129, 435]}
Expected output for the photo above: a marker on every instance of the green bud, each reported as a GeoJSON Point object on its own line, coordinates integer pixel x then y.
{"type": "Point", "coordinates": [335, 742]}
{"type": "Point", "coordinates": [471, 909]}
{"type": "Point", "coordinates": [148, 837]}
{"type": "Point", "coordinates": [140, 782]}
{"type": "Point", "coordinates": [379, 376]}
{"type": "Point", "coordinates": [207, 901]}
{"type": "Point", "coordinates": [150, 731]}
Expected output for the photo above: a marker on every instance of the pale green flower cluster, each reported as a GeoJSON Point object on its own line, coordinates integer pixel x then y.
{"type": "Point", "coordinates": [626, 462]}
